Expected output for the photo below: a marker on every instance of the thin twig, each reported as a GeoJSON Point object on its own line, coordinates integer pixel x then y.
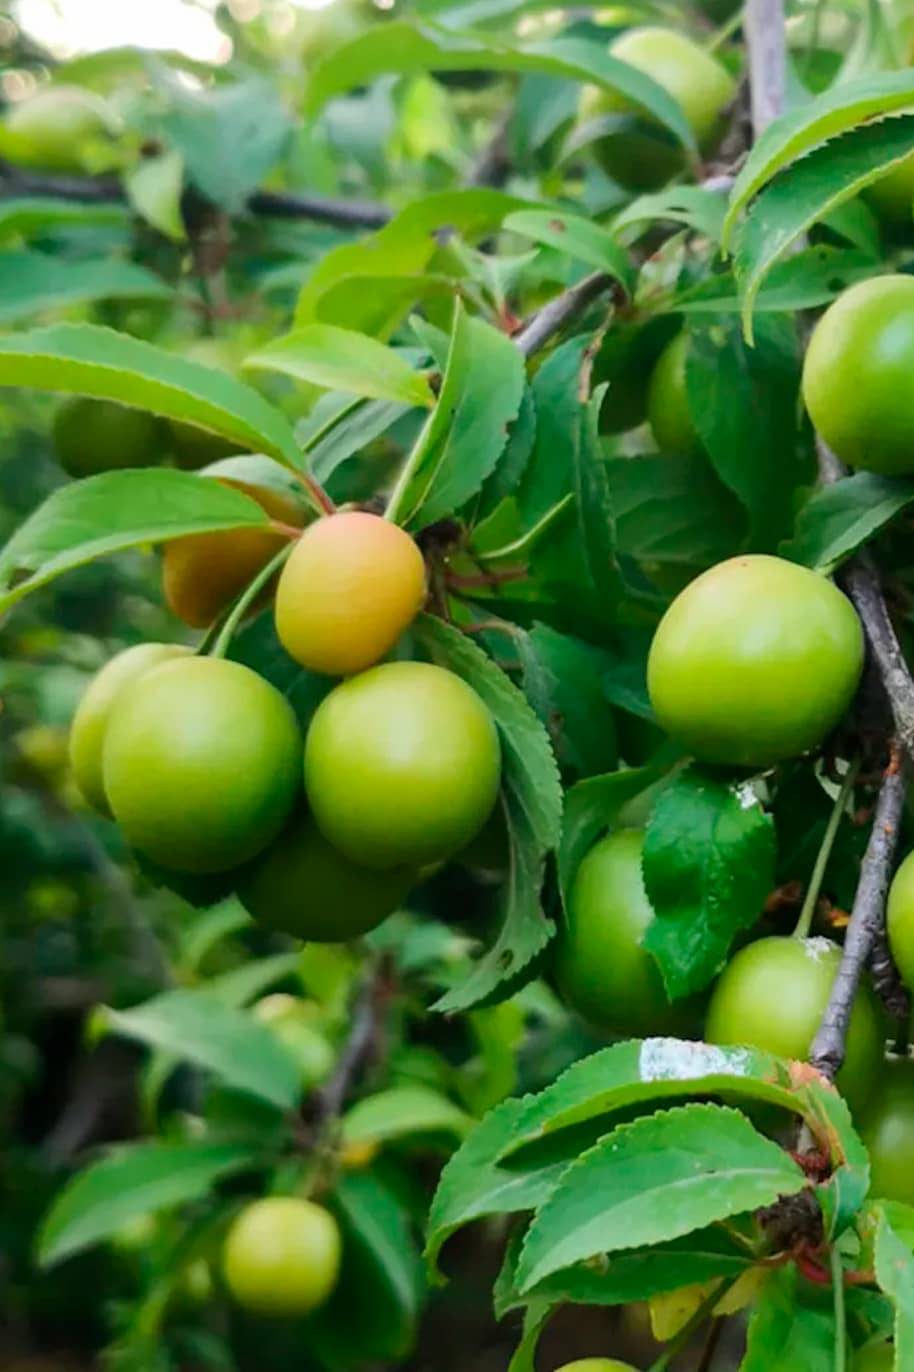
{"type": "Point", "coordinates": [367, 1019]}
{"type": "Point", "coordinates": [767, 54]}
{"type": "Point", "coordinates": [866, 919]}
{"type": "Point", "coordinates": [552, 317]}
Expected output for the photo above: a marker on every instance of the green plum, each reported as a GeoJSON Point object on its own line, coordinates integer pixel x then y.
{"type": "Point", "coordinates": [668, 405]}
{"type": "Point", "coordinates": [887, 1129]}
{"type": "Point", "coordinates": [402, 765]}
{"type": "Point", "coordinates": [202, 764]}
{"type": "Point", "coordinates": [755, 662]}
{"type": "Point", "coordinates": [282, 1256]}
{"type": "Point", "coordinates": [900, 920]}
{"type": "Point", "coordinates": [92, 436]}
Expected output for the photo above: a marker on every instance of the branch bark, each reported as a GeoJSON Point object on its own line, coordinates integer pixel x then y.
{"type": "Point", "coordinates": [360, 1046]}
{"type": "Point", "coordinates": [552, 317]}
{"type": "Point", "coordinates": [867, 918]}
{"type": "Point", "coordinates": [767, 52]}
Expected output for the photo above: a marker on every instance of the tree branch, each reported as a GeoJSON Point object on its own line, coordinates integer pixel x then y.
{"type": "Point", "coordinates": [827, 1053]}
{"type": "Point", "coordinates": [362, 1043]}
{"type": "Point", "coordinates": [767, 52]}
{"type": "Point", "coordinates": [552, 317]}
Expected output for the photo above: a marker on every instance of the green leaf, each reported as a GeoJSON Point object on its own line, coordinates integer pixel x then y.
{"type": "Point", "coordinates": [744, 403]}
{"type": "Point", "coordinates": [467, 431]}
{"type": "Point", "coordinates": [533, 803]}
{"type": "Point", "coordinates": [117, 510]}
{"type": "Point", "coordinates": [787, 1331]}
{"type": "Point", "coordinates": [474, 1185]}
{"type": "Point", "coordinates": [709, 855]}
{"type": "Point", "coordinates": [342, 360]}
{"type": "Point", "coordinates": [689, 205]}
{"type": "Point", "coordinates": [796, 133]}
{"type": "Point", "coordinates": [536, 1318]}
{"type": "Point", "coordinates": [595, 507]}
{"type": "Point", "coordinates": [200, 1028]}
{"type": "Point", "coordinates": [230, 136]}
{"type": "Point", "coordinates": [591, 807]}
{"type": "Point", "coordinates": [154, 188]}
{"type": "Point", "coordinates": [563, 680]}
{"type": "Point", "coordinates": [549, 472]}
{"type": "Point", "coordinates": [403, 47]}
{"type": "Point", "coordinates": [673, 510]}
{"type": "Point", "coordinates": [131, 1182]}
{"type": "Point", "coordinates": [401, 1111]}
{"type": "Point", "coordinates": [653, 1180]}
{"type": "Point", "coordinates": [27, 216]}
{"type": "Point", "coordinates": [248, 982]}
{"type": "Point", "coordinates": [839, 519]}
{"type": "Point", "coordinates": [654, 1069]}
{"type": "Point", "coordinates": [842, 1195]}
{"type": "Point", "coordinates": [804, 281]}
{"type": "Point", "coordinates": [86, 359]}
{"type": "Point", "coordinates": [579, 238]}
{"type": "Point", "coordinates": [805, 192]}
{"type": "Point", "coordinates": [33, 282]}
{"type": "Point", "coordinates": [340, 426]}
{"type": "Point", "coordinates": [895, 1274]}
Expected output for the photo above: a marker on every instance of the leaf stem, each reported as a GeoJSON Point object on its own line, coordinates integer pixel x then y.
{"type": "Point", "coordinates": [246, 599]}
{"type": "Point", "coordinates": [837, 1286]}
{"type": "Point", "coordinates": [696, 1320]}
{"type": "Point", "coordinates": [318, 496]}
{"type": "Point", "coordinates": [804, 923]}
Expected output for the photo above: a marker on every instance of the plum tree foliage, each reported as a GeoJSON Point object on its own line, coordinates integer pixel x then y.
{"type": "Point", "coordinates": [455, 592]}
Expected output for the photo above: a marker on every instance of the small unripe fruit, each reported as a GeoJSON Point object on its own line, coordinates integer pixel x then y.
{"type": "Point", "coordinates": [900, 920]}
{"type": "Point", "coordinates": [282, 1256]}
{"type": "Point", "coordinates": [892, 196]}
{"type": "Point", "coordinates": [597, 1365]}
{"type": "Point", "coordinates": [755, 661]}
{"type": "Point", "coordinates": [90, 723]}
{"type": "Point", "coordinates": [402, 765]}
{"type": "Point", "coordinates": [772, 995]}
{"type": "Point", "coordinates": [201, 764]}
{"type": "Point", "coordinates": [857, 375]}
{"type": "Point", "coordinates": [49, 129]}
{"type": "Point", "coordinates": [353, 584]}
{"type": "Point", "coordinates": [92, 436]}
{"type": "Point", "coordinates": [668, 403]}
{"type": "Point", "coordinates": [302, 886]}
{"type": "Point", "coordinates": [638, 153]}
{"type": "Point", "coordinates": [294, 1022]}
{"type": "Point", "coordinates": [887, 1129]}
{"type": "Point", "coordinates": [203, 573]}
{"type": "Point", "coordinates": [603, 970]}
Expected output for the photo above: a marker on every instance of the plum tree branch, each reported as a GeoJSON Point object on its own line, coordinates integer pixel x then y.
{"type": "Point", "coordinates": [552, 317]}
{"type": "Point", "coordinates": [867, 918]}
{"type": "Point", "coordinates": [362, 1043]}
{"type": "Point", "coordinates": [767, 53]}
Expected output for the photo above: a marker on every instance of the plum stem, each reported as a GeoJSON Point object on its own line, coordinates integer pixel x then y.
{"type": "Point", "coordinates": [246, 599]}
{"type": "Point", "coordinates": [804, 923]}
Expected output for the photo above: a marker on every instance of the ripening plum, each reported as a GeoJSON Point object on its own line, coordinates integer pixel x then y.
{"type": "Point", "coordinates": [202, 764]}
{"type": "Point", "coordinates": [402, 765]}
{"type": "Point", "coordinates": [755, 661]}
{"type": "Point", "coordinates": [353, 584]}
{"type": "Point", "coordinates": [282, 1256]}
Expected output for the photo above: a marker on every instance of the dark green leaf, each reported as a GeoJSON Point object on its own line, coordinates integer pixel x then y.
{"type": "Point", "coordinates": [673, 510]}
{"type": "Point", "coordinates": [895, 1275]}
{"type": "Point", "coordinates": [839, 519]}
{"type": "Point", "coordinates": [595, 508]}
{"type": "Point", "coordinates": [563, 680]}
{"type": "Point", "coordinates": [32, 282]}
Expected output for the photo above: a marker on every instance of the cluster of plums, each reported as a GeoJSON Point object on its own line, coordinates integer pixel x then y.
{"type": "Point", "coordinates": [202, 763]}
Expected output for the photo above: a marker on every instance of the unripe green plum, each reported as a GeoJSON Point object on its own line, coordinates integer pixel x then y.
{"type": "Point", "coordinates": [282, 1256]}
{"type": "Point", "coordinates": [887, 1129]}
{"type": "Point", "coordinates": [92, 436]}
{"type": "Point", "coordinates": [597, 1365]}
{"type": "Point", "coordinates": [755, 661]}
{"type": "Point", "coordinates": [900, 920]}
{"type": "Point", "coordinates": [49, 130]}
{"type": "Point", "coordinates": [857, 374]}
{"type": "Point", "coordinates": [638, 154]}
{"type": "Point", "coordinates": [892, 196]}
{"type": "Point", "coordinates": [202, 764]}
{"type": "Point", "coordinates": [402, 765]}
{"type": "Point", "coordinates": [302, 886]}
{"type": "Point", "coordinates": [875, 1357]}
{"type": "Point", "coordinates": [203, 573]}
{"type": "Point", "coordinates": [353, 584]}
{"type": "Point", "coordinates": [603, 970]}
{"type": "Point", "coordinates": [668, 403]}
{"type": "Point", "coordinates": [90, 723]}
{"type": "Point", "coordinates": [295, 1023]}
{"type": "Point", "coordinates": [772, 995]}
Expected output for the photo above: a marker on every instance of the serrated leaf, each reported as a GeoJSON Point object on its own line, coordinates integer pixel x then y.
{"type": "Point", "coordinates": [154, 188]}
{"type": "Point", "coordinates": [674, 510]}
{"type": "Point", "coordinates": [794, 134]}
{"type": "Point", "coordinates": [576, 236]}
{"type": "Point", "coordinates": [595, 507]}
{"type": "Point", "coordinates": [644, 1070]}
{"type": "Point", "coordinates": [133, 1181]}
{"type": "Point", "coordinates": [467, 432]}
{"type": "Point", "coordinates": [33, 282]}
{"type": "Point", "coordinates": [692, 206]}
{"type": "Point", "coordinates": [786, 1331]}
{"type": "Point", "coordinates": [343, 360]}
{"type": "Point", "coordinates": [403, 1110]}
{"type": "Point", "coordinates": [549, 472]}
{"type": "Point", "coordinates": [839, 519]}
{"type": "Point", "coordinates": [804, 281]}
{"type": "Point", "coordinates": [198, 1027]}
{"type": "Point", "coordinates": [842, 1195]}
{"type": "Point", "coordinates": [404, 47]}
{"type": "Point", "coordinates": [895, 1274]}
{"type": "Point", "coordinates": [116, 510]}
{"type": "Point", "coordinates": [654, 1180]}
{"type": "Point", "coordinates": [563, 680]}
{"type": "Point", "coordinates": [590, 808]}
{"type": "Point", "coordinates": [743, 403]}
{"type": "Point", "coordinates": [340, 426]}
{"type": "Point", "coordinates": [87, 359]}
{"type": "Point", "coordinates": [808, 190]}
{"type": "Point", "coordinates": [708, 860]}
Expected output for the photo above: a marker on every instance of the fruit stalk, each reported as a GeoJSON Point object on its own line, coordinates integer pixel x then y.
{"type": "Point", "coordinates": [867, 917]}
